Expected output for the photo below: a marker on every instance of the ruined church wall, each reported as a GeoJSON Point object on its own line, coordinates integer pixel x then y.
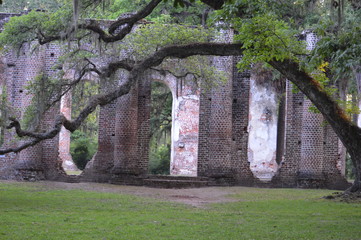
{"type": "Point", "coordinates": [131, 144]}
{"type": "Point", "coordinates": [262, 127]}
{"type": "Point", "coordinates": [240, 121]}
{"type": "Point", "coordinates": [185, 122]}
{"type": "Point", "coordinates": [21, 68]}
{"type": "Point", "coordinates": [215, 157]}
{"type": "Point", "coordinates": [50, 157]}
{"type": "Point", "coordinates": [215, 144]}
{"type": "Point", "coordinates": [223, 127]}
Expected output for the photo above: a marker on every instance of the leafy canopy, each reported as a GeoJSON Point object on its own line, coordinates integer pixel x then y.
{"type": "Point", "coordinates": [28, 27]}
{"type": "Point", "coordinates": [266, 38]}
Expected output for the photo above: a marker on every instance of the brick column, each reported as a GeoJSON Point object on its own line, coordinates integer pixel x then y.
{"type": "Point", "coordinates": [8, 161]}
{"type": "Point", "coordinates": [99, 168]}
{"type": "Point", "coordinates": [220, 123]}
{"type": "Point", "coordinates": [126, 134]}
{"type": "Point", "coordinates": [312, 144]}
{"type": "Point", "coordinates": [50, 157]}
{"type": "Point", "coordinates": [334, 178]}
{"type": "Point", "coordinates": [240, 112]}
{"type": "Point", "coordinates": [288, 169]}
{"type": "Point", "coordinates": [143, 123]}
{"type": "Point", "coordinates": [204, 132]}
{"type": "Point", "coordinates": [27, 67]}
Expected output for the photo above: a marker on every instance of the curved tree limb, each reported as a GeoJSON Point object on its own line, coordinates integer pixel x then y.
{"type": "Point", "coordinates": [37, 137]}
{"type": "Point", "coordinates": [181, 51]}
{"type": "Point", "coordinates": [346, 130]}
{"type": "Point", "coordinates": [116, 32]}
{"type": "Point", "coordinates": [349, 133]}
{"type": "Point", "coordinates": [148, 9]}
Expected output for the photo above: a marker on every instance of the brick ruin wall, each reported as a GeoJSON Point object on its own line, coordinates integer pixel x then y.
{"type": "Point", "coordinates": [19, 69]}
{"type": "Point", "coordinates": [229, 134]}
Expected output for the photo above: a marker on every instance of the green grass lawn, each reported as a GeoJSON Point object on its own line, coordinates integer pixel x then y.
{"type": "Point", "coordinates": [78, 172]}
{"type": "Point", "coordinates": [29, 212]}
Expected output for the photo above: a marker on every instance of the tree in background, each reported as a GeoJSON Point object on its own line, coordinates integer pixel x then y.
{"type": "Point", "coordinates": [82, 148]}
{"type": "Point", "coordinates": [11, 6]}
{"type": "Point", "coordinates": [160, 129]}
{"type": "Point", "coordinates": [84, 141]}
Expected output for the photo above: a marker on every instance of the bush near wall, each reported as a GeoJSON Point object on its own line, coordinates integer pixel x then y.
{"type": "Point", "coordinates": [159, 160]}
{"type": "Point", "coordinates": [82, 148]}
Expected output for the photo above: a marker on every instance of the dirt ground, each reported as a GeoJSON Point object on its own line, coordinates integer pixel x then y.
{"type": "Point", "coordinates": [197, 197]}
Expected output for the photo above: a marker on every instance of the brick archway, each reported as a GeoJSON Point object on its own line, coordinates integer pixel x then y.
{"type": "Point", "coordinates": [185, 123]}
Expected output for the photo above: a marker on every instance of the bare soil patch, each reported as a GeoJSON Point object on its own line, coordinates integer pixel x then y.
{"type": "Point", "coordinates": [345, 197]}
{"type": "Point", "coordinates": [197, 197]}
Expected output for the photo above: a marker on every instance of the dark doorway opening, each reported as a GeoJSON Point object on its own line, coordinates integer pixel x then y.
{"type": "Point", "coordinates": [160, 129]}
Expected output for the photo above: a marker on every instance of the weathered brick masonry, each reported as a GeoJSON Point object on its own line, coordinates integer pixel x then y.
{"type": "Point", "coordinates": [226, 134]}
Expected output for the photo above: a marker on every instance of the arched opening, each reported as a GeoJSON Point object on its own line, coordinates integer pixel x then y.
{"type": "Point", "coordinates": [78, 148]}
{"type": "Point", "coordinates": [160, 129]}
{"type": "Point", "coordinates": [177, 101]}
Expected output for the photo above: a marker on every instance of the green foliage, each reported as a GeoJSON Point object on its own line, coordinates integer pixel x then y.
{"type": "Point", "coordinates": [27, 28]}
{"type": "Point", "coordinates": [16, 6]}
{"type": "Point", "coordinates": [82, 148]}
{"type": "Point", "coordinates": [161, 110]}
{"type": "Point", "coordinates": [349, 107]}
{"type": "Point", "coordinates": [339, 45]}
{"type": "Point", "coordinates": [42, 89]}
{"type": "Point", "coordinates": [148, 38]}
{"type": "Point", "coordinates": [342, 50]}
{"type": "Point", "coordinates": [179, 3]}
{"type": "Point", "coordinates": [266, 38]}
{"type": "Point", "coordinates": [159, 160]}
{"type": "Point", "coordinates": [164, 13]}
{"type": "Point", "coordinates": [160, 129]}
{"type": "Point", "coordinates": [350, 169]}
{"type": "Point", "coordinates": [80, 97]}
{"type": "Point", "coordinates": [299, 14]}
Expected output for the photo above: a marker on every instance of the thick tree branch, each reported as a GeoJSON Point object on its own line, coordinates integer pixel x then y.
{"type": "Point", "coordinates": [215, 4]}
{"type": "Point", "coordinates": [116, 32]}
{"type": "Point", "coordinates": [332, 112]}
{"type": "Point", "coordinates": [37, 137]}
{"type": "Point", "coordinates": [135, 17]}
{"type": "Point", "coordinates": [348, 132]}
{"type": "Point", "coordinates": [126, 64]}
{"type": "Point", "coordinates": [136, 70]}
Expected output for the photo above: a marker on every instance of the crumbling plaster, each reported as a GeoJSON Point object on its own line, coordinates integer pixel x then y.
{"type": "Point", "coordinates": [185, 124]}
{"type": "Point", "coordinates": [262, 130]}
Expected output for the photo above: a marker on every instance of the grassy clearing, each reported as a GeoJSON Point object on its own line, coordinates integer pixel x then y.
{"type": "Point", "coordinates": [28, 212]}
{"type": "Point", "coordinates": [78, 172]}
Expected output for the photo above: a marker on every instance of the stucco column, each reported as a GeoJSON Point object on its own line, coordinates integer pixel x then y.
{"type": "Point", "coordinates": [262, 129]}
{"type": "Point", "coordinates": [64, 135]}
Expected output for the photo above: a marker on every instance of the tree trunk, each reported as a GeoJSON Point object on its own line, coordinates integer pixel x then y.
{"type": "Point", "coordinates": [348, 132]}
{"type": "Point", "coordinates": [356, 160]}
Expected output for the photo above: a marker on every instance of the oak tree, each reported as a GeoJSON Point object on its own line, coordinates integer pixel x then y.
{"type": "Point", "coordinates": [267, 33]}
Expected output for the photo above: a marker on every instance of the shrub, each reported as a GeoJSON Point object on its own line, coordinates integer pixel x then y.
{"type": "Point", "coordinates": [159, 160]}
{"type": "Point", "coordinates": [82, 148]}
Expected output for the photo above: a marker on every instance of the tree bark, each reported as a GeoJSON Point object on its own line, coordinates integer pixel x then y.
{"type": "Point", "coordinates": [348, 132]}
